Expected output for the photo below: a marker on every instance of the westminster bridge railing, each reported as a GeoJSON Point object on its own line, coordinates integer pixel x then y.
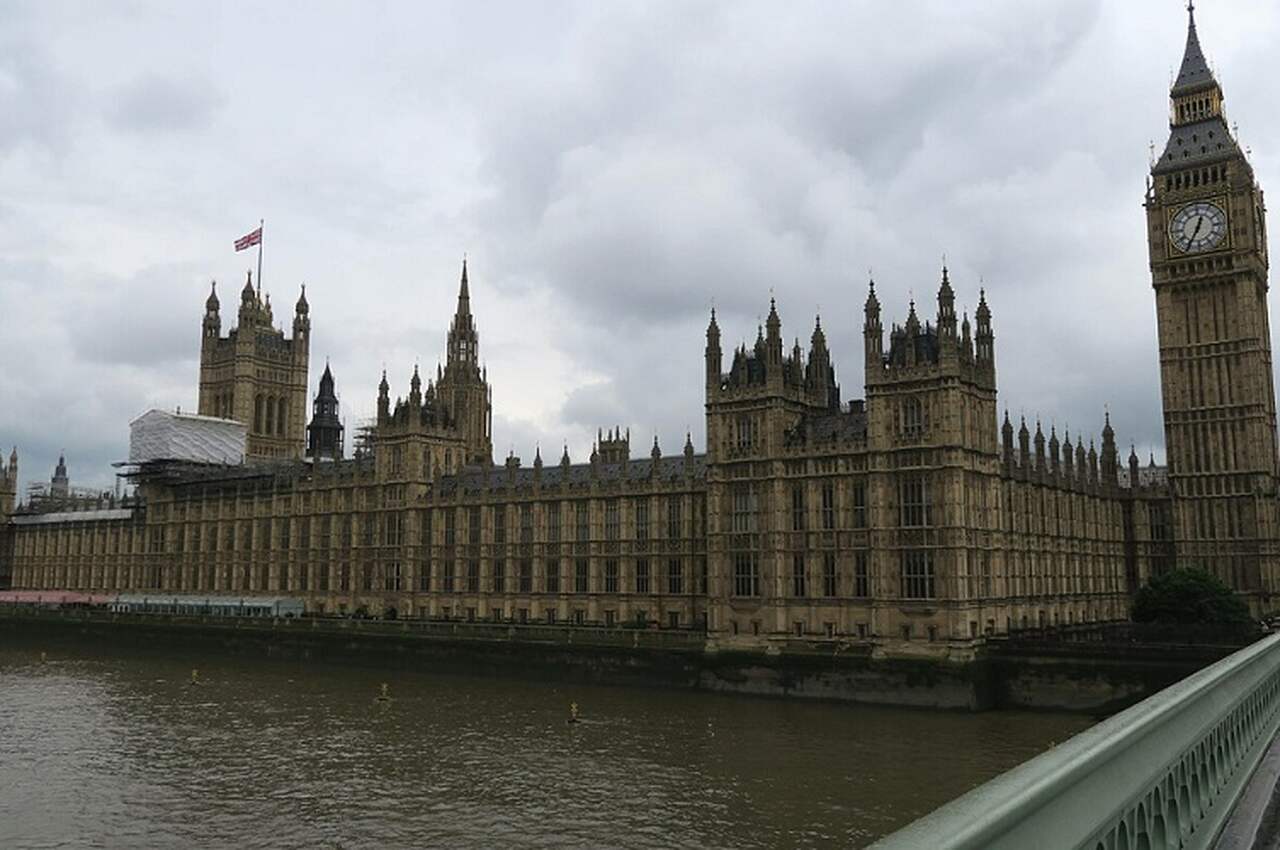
{"type": "Point", "coordinates": [1164, 773]}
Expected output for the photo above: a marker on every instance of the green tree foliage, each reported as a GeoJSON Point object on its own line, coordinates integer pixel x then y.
{"type": "Point", "coordinates": [1187, 597]}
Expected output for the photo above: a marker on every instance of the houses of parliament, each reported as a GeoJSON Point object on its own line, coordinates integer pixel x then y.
{"type": "Point", "coordinates": [919, 518]}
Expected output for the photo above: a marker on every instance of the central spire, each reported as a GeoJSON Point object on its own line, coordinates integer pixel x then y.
{"type": "Point", "coordinates": [1194, 72]}
{"type": "Point", "coordinates": [464, 296]}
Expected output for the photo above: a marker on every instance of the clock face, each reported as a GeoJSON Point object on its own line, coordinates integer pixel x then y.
{"type": "Point", "coordinates": [1198, 227]}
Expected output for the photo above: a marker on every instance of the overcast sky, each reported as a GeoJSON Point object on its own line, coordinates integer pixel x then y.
{"type": "Point", "coordinates": [611, 170]}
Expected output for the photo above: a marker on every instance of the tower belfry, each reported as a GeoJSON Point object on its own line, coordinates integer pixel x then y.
{"type": "Point", "coordinates": [1206, 234]}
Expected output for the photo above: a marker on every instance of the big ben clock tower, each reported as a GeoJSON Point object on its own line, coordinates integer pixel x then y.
{"type": "Point", "coordinates": [1206, 229]}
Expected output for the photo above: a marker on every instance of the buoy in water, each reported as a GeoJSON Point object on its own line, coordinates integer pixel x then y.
{"type": "Point", "coordinates": [384, 696]}
{"type": "Point", "coordinates": [43, 657]}
{"type": "Point", "coordinates": [573, 713]}
{"type": "Point", "coordinates": [195, 677]}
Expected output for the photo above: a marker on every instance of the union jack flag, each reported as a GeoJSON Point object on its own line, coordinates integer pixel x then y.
{"type": "Point", "coordinates": [249, 239]}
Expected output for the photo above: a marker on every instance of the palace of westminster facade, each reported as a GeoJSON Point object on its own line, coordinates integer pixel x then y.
{"type": "Point", "coordinates": [912, 516]}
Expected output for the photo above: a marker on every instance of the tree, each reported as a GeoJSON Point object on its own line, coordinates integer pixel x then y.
{"type": "Point", "coordinates": [1188, 597]}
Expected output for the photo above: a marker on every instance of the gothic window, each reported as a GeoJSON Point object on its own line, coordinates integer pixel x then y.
{"type": "Point", "coordinates": [828, 506]}
{"type": "Point", "coordinates": [611, 520]}
{"type": "Point", "coordinates": [473, 525]}
{"type": "Point", "coordinates": [473, 576]}
{"type": "Point", "coordinates": [450, 529]}
{"type": "Point", "coordinates": [582, 521]}
{"type": "Point", "coordinates": [830, 579]}
{"type": "Point", "coordinates": [611, 576]}
{"type": "Point", "coordinates": [642, 519]}
{"type": "Point", "coordinates": [674, 516]}
{"type": "Point", "coordinates": [744, 508]}
{"type": "Point", "coordinates": [526, 523]}
{"type": "Point", "coordinates": [526, 575]}
{"type": "Point", "coordinates": [280, 418]}
{"type": "Point", "coordinates": [859, 504]}
{"type": "Point", "coordinates": [675, 576]}
{"type": "Point", "coordinates": [642, 575]}
{"type": "Point", "coordinates": [499, 524]}
{"type": "Point", "coordinates": [393, 532]}
{"type": "Point", "coordinates": [257, 414]}
{"type": "Point", "coordinates": [499, 575]}
{"type": "Point", "coordinates": [581, 575]}
{"type": "Point", "coordinates": [913, 501]}
{"type": "Point", "coordinates": [271, 415]}
{"type": "Point", "coordinates": [917, 574]}
{"type": "Point", "coordinates": [799, 587]}
{"type": "Point", "coordinates": [553, 522]}
{"type": "Point", "coordinates": [912, 418]}
{"type": "Point", "coordinates": [446, 579]}
{"type": "Point", "coordinates": [366, 574]}
{"type": "Point", "coordinates": [797, 507]}
{"type": "Point", "coordinates": [393, 576]}
{"type": "Point", "coordinates": [746, 574]}
{"type": "Point", "coordinates": [553, 576]}
{"type": "Point", "coordinates": [861, 575]}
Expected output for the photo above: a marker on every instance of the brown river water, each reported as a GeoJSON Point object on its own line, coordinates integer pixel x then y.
{"type": "Point", "coordinates": [114, 748]}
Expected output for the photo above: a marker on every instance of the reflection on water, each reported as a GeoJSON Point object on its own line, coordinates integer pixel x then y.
{"type": "Point", "coordinates": [119, 749]}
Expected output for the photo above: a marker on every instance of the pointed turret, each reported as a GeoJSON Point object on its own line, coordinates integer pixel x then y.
{"type": "Point", "coordinates": [714, 355]}
{"type": "Point", "coordinates": [302, 315]}
{"type": "Point", "coordinates": [324, 432]}
{"type": "Point", "coordinates": [773, 326]}
{"type": "Point", "coordinates": [1068, 464]}
{"type": "Point", "coordinates": [1110, 458]}
{"type": "Point", "coordinates": [250, 307]}
{"type": "Point", "coordinates": [564, 458]}
{"type": "Point", "coordinates": [415, 388]}
{"type": "Point", "coordinates": [873, 333]}
{"type": "Point", "coordinates": [984, 339]}
{"type": "Point", "coordinates": [1133, 468]}
{"type": "Point", "coordinates": [60, 485]}
{"type": "Point", "coordinates": [946, 307]}
{"type": "Point", "coordinates": [1039, 444]}
{"type": "Point", "coordinates": [1006, 442]}
{"type": "Point", "coordinates": [820, 375]}
{"type": "Point", "coordinates": [384, 399]}
{"type": "Point", "coordinates": [1055, 462]}
{"type": "Point", "coordinates": [1024, 447]}
{"type": "Point", "coordinates": [212, 317]}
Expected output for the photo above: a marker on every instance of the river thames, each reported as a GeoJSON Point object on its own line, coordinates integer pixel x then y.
{"type": "Point", "coordinates": [117, 749]}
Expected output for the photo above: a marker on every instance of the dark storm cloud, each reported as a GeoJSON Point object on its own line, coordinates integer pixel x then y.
{"type": "Point", "coordinates": [612, 171]}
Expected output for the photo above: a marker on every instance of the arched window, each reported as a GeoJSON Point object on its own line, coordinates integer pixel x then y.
{"type": "Point", "coordinates": [280, 418]}
{"type": "Point", "coordinates": [912, 418]}
{"type": "Point", "coordinates": [257, 414]}
{"type": "Point", "coordinates": [271, 415]}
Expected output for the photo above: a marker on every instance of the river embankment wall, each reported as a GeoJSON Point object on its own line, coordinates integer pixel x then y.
{"type": "Point", "coordinates": [1092, 678]}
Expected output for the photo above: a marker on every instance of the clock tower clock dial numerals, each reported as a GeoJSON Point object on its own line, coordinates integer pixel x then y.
{"type": "Point", "coordinates": [1198, 227]}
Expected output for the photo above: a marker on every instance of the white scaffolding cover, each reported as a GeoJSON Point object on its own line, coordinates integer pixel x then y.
{"type": "Point", "coordinates": [158, 435]}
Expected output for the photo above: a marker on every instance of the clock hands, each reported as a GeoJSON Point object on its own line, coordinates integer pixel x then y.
{"type": "Point", "coordinates": [1199, 224]}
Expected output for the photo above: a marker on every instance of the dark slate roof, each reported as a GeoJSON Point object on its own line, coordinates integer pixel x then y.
{"type": "Point", "coordinates": [476, 479]}
{"type": "Point", "coordinates": [839, 426]}
{"type": "Point", "coordinates": [1194, 73]}
{"type": "Point", "coordinates": [1194, 144]}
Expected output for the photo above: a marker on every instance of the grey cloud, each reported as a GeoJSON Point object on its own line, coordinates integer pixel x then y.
{"type": "Point", "coordinates": [156, 102]}
{"type": "Point", "coordinates": [612, 172]}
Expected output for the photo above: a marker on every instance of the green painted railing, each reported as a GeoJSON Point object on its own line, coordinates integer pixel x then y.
{"type": "Point", "coordinates": [1162, 774]}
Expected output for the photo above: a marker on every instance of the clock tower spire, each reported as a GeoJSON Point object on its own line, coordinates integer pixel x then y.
{"type": "Point", "coordinates": [1206, 234]}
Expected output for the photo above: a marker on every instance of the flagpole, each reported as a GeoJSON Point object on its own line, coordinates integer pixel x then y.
{"type": "Point", "coordinates": [261, 233]}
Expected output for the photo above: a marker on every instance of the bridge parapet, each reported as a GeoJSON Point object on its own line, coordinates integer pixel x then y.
{"type": "Point", "coordinates": [1164, 773]}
